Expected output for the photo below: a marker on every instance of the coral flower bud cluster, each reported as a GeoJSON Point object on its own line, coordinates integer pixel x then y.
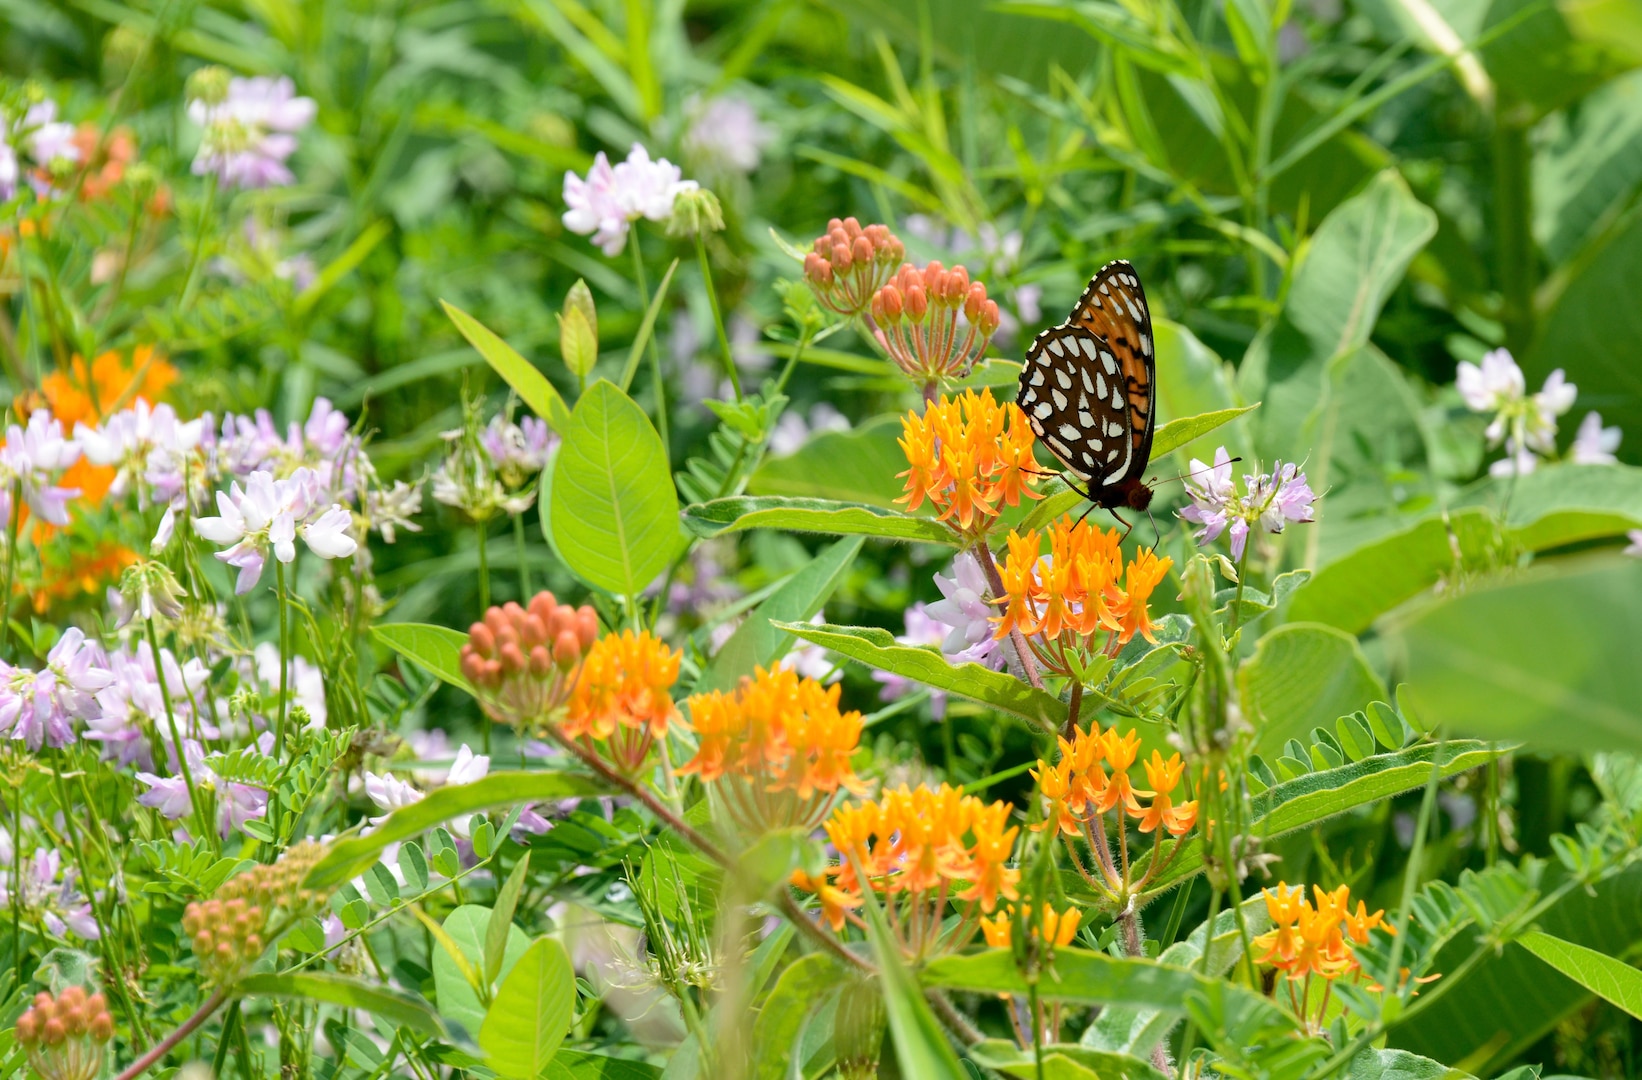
{"type": "Point", "coordinates": [968, 456]}
{"type": "Point", "coordinates": [935, 323]}
{"type": "Point", "coordinates": [776, 749]}
{"type": "Point", "coordinates": [521, 659]}
{"type": "Point", "coordinates": [65, 1035]}
{"type": "Point", "coordinates": [848, 264]}
{"type": "Point", "coordinates": [226, 934]}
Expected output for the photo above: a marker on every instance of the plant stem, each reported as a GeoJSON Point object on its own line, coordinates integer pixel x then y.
{"type": "Point", "coordinates": [1513, 208]}
{"type": "Point", "coordinates": [11, 564]}
{"type": "Point", "coordinates": [524, 567]}
{"type": "Point", "coordinates": [718, 316]}
{"type": "Point", "coordinates": [161, 1048]}
{"type": "Point", "coordinates": [202, 822]}
{"type": "Point", "coordinates": [643, 284]}
{"type": "Point", "coordinates": [484, 567]}
{"type": "Point", "coordinates": [17, 880]}
{"type": "Point", "coordinates": [284, 676]}
{"type": "Point", "coordinates": [1026, 667]}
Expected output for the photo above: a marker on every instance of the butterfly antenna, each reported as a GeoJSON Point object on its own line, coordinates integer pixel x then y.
{"type": "Point", "coordinates": [1157, 534]}
{"type": "Point", "coordinates": [1193, 472]}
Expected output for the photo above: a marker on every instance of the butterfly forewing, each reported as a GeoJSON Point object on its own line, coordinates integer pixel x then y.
{"type": "Point", "coordinates": [1087, 385]}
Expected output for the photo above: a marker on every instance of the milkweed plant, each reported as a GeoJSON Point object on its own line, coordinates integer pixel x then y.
{"type": "Point", "coordinates": [692, 664]}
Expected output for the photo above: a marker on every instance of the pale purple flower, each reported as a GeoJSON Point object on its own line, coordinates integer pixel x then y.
{"type": "Point", "coordinates": [128, 439]}
{"type": "Point", "coordinates": [250, 134]}
{"type": "Point", "coordinates": [9, 171]}
{"type": "Point", "coordinates": [725, 135]}
{"type": "Point", "coordinates": [1595, 444]}
{"type": "Point", "coordinates": [921, 630]}
{"type": "Point", "coordinates": [517, 450]}
{"type": "Point", "coordinates": [1634, 548]}
{"type": "Point", "coordinates": [964, 610]}
{"type": "Point", "coordinates": [1269, 501]}
{"type": "Point", "coordinates": [793, 430]}
{"type": "Point", "coordinates": [1556, 397]}
{"type": "Point", "coordinates": [132, 704]}
{"type": "Point", "coordinates": [32, 457]}
{"type": "Point", "coordinates": [611, 198]}
{"type": "Point", "coordinates": [49, 139]}
{"type": "Point", "coordinates": [389, 793]}
{"type": "Point", "coordinates": [270, 514]}
{"type": "Point", "coordinates": [1526, 425]}
{"type": "Point", "coordinates": [1520, 462]}
{"type": "Point", "coordinates": [303, 681]}
{"type": "Point", "coordinates": [50, 895]}
{"type": "Point", "coordinates": [40, 707]}
{"type": "Point", "coordinates": [236, 803]}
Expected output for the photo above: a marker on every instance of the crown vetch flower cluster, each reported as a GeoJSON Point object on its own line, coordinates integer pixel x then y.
{"type": "Point", "coordinates": [968, 456]}
{"type": "Point", "coordinates": [230, 930]}
{"type": "Point", "coordinates": [612, 197]}
{"type": "Point", "coordinates": [65, 1035]}
{"type": "Point", "coordinates": [776, 749]}
{"type": "Point", "coordinates": [1081, 589]}
{"type": "Point", "coordinates": [249, 127]}
{"type": "Point", "coordinates": [1270, 501]}
{"type": "Point", "coordinates": [32, 459]}
{"type": "Point", "coordinates": [622, 696]}
{"type": "Point", "coordinates": [1315, 938]}
{"type": "Point", "coordinates": [522, 660]}
{"type": "Point", "coordinates": [919, 848]}
{"type": "Point", "coordinates": [935, 323]}
{"type": "Point", "coordinates": [848, 264]}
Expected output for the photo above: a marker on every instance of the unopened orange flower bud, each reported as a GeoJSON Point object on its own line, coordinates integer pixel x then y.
{"type": "Point", "coordinates": [917, 303]}
{"type": "Point", "coordinates": [102, 1028]}
{"type": "Point", "coordinates": [567, 650]}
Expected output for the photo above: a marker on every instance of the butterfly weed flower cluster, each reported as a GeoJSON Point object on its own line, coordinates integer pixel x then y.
{"type": "Point", "coordinates": [847, 265]}
{"type": "Point", "coordinates": [968, 457]}
{"type": "Point", "coordinates": [1314, 939]}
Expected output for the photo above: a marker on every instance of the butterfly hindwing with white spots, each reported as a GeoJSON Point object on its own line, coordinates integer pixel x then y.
{"type": "Point", "coordinates": [1087, 387]}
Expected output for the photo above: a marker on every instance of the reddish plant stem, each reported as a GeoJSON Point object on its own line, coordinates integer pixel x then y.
{"type": "Point", "coordinates": [161, 1048]}
{"type": "Point", "coordinates": [1026, 668]}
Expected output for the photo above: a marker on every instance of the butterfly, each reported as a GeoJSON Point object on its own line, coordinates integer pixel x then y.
{"type": "Point", "coordinates": [1088, 390]}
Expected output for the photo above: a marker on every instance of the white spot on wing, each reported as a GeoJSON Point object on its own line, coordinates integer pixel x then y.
{"type": "Point", "coordinates": [1060, 398]}
{"type": "Point", "coordinates": [1070, 433]}
{"type": "Point", "coordinates": [1043, 410]}
{"type": "Point", "coordinates": [1086, 418]}
{"type": "Point", "coordinates": [1055, 347]}
{"type": "Point", "coordinates": [1100, 386]}
{"type": "Point", "coordinates": [1109, 362]}
{"type": "Point", "coordinates": [1088, 384]}
{"type": "Point", "coordinates": [1037, 377]}
{"type": "Point", "coordinates": [1063, 378]}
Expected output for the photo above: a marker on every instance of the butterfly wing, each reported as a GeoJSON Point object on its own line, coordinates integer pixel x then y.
{"type": "Point", "coordinates": [1113, 308]}
{"type": "Point", "coordinates": [1072, 391]}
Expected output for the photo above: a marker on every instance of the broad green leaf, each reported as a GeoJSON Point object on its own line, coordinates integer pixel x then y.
{"type": "Point", "coordinates": [1306, 800]}
{"type": "Point", "coordinates": [614, 513]}
{"type": "Point", "coordinates": [760, 640]}
{"type": "Point", "coordinates": [530, 384]}
{"type": "Point", "coordinates": [1564, 504]}
{"type": "Point", "coordinates": [1374, 1064]}
{"type": "Point", "coordinates": [921, 1047]}
{"type": "Point", "coordinates": [1193, 381]}
{"type": "Point", "coordinates": [1355, 259]}
{"type": "Point", "coordinates": [1512, 999]}
{"type": "Point", "coordinates": [570, 1064]}
{"type": "Point", "coordinates": [531, 1013]}
{"type": "Point", "coordinates": [326, 988]}
{"type": "Point", "coordinates": [878, 648]}
{"type": "Point", "coordinates": [1061, 1061]}
{"type": "Point", "coordinates": [1591, 169]}
{"type": "Point", "coordinates": [1178, 433]}
{"type": "Point", "coordinates": [1087, 978]}
{"type": "Point", "coordinates": [1614, 981]}
{"type": "Point", "coordinates": [859, 465]}
{"type": "Point", "coordinates": [347, 859]}
{"type": "Point", "coordinates": [797, 994]}
{"type": "Point", "coordinates": [739, 513]}
{"type": "Point", "coordinates": [1548, 659]}
{"type": "Point", "coordinates": [501, 922]}
{"type": "Point", "coordinates": [467, 929]}
{"type": "Point", "coordinates": [1301, 676]}
{"type": "Point", "coordinates": [435, 649]}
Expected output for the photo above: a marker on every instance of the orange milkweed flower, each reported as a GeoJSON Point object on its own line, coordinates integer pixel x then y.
{"type": "Point", "coordinates": [1120, 754]}
{"type": "Point", "coordinates": [622, 694]}
{"type": "Point", "coordinates": [967, 456]}
{"type": "Point", "coordinates": [1311, 938]}
{"type": "Point", "coordinates": [989, 871]}
{"type": "Point", "coordinates": [835, 902]}
{"type": "Point", "coordinates": [1164, 777]}
{"type": "Point", "coordinates": [1051, 927]}
{"type": "Point", "coordinates": [87, 395]}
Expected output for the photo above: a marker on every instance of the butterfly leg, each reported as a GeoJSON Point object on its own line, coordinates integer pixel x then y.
{"type": "Point", "coordinates": [1127, 527]}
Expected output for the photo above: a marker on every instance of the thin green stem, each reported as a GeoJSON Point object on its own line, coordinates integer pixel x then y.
{"type": "Point", "coordinates": [202, 822]}
{"type": "Point", "coordinates": [524, 566]}
{"type": "Point", "coordinates": [12, 531]}
{"type": "Point", "coordinates": [484, 567]}
{"type": "Point", "coordinates": [643, 284]}
{"type": "Point", "coordinates": [718, 316]}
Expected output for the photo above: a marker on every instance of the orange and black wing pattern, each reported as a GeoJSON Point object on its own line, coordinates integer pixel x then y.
{"type": "Point", "coordinates": [1113, 307]}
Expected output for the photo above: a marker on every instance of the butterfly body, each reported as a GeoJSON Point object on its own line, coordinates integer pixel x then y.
{"type": "Point", "coordinates": [1087, 388]}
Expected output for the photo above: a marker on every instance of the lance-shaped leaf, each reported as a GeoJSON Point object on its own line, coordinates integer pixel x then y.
{"type": "Point", "coordinates": [739, 513]}
{"type": "Point", "coordinates": [435, 649]}
{"type": "Point", "coordinates": [390, 1005]}
{"type": "Point", "coordinates": [531, 1013]}
{"type": "Point", "coordinates": [531, 385]}
{"type": "Point", "coordinates": [878, 648]}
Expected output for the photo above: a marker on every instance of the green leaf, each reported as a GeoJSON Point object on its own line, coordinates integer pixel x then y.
{"type": "Point", "coordinates": [1193, 381]}
{"type": "Point", "coordinates": [467, 929]}
{"type": "Point", "coordinates": [530, 384]}
{"type": "Point", "coordinates": [1354, 260]}
{"type": "Point", "coordinates": [614, 512]}
{"type": "Point", "coordinates": [1088, 978]}
{"type": "Point", "coordinates": [531, 1013]}
{"type": "Point", "coordinates": [1614, 981]}
{"type": "Point", "coordinates": [347, 859]}
{"type": "Point", "coordinates": [760, 640]}
{"type": "Point", "coordinates": [389, 1005]}
{"type": "Point", "coordinates": [921, 1047]}
{"type": "Point", "coordinates": [1512, 998]}
{"type": "Point", "coordinates": [646, 328]}
{"type": "Point", "coordinates": [1177, 433]}
{"type": "Point", "coordinates": [1313, 797]}
{"type": "Point", "coordinates": [797, 994]}
{"type": "Point", "coordinates": [1061, 1061]}
{"type": "Point", "coordinates": [1301, 676]}
{"type": "Point", "coordinates": [1564, 504]}
{"type": "Point", "coordinates": [501, 920]}
{"type": "Point", "coordinates": [1591, 170]}
{"type": "Point", "coordinates": [570, 1064]}
{"type": "Point", "coordinates": [859, 465]}
{"type": "Point", "coordinates": [739, 513]}
{"type": "Point", "coordinates": [1374, 1064]}
{"type": "Point", "coordinates": [1549, 659]}
{"type": "Point", "coordinates": [878, 648]}
{"type": "Point", "coordinates": [435, 649]}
